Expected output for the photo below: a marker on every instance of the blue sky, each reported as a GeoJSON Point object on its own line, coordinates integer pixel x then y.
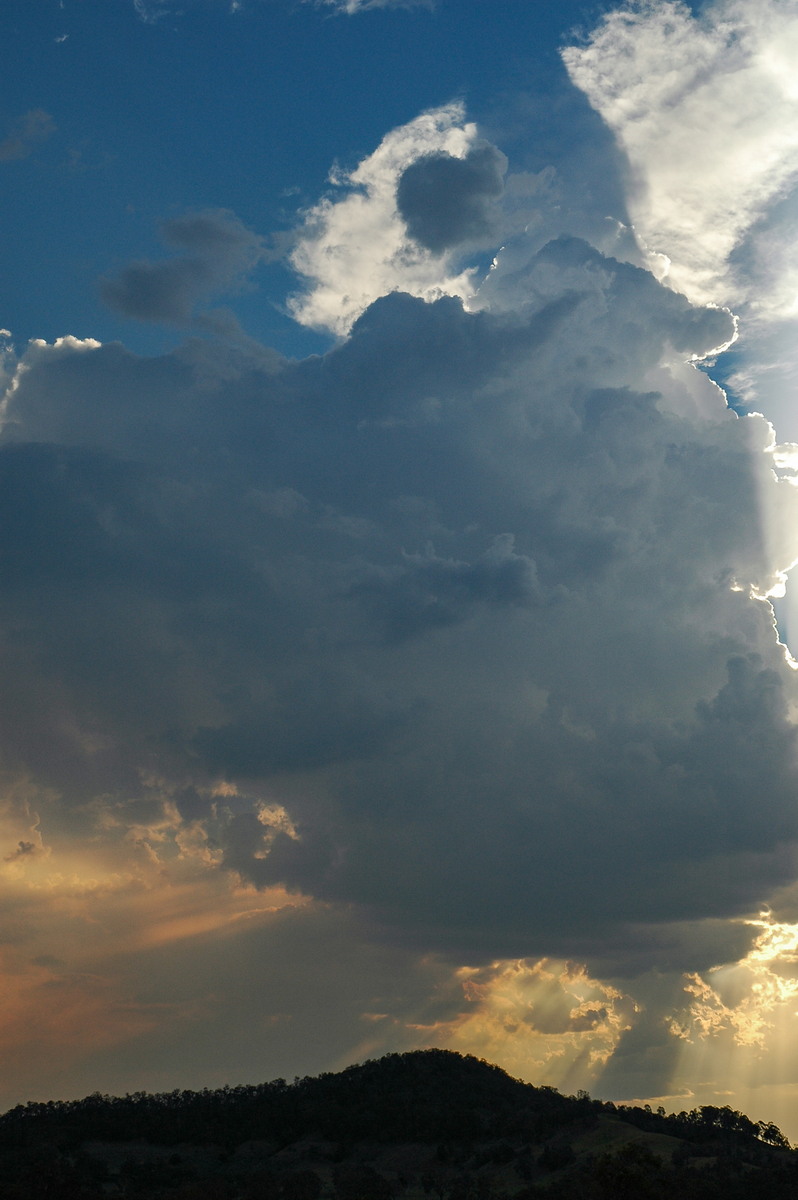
{"type": "Point", "coordinates": [389, 585]}
{"type": "Point", "coordinates": [204, 108]}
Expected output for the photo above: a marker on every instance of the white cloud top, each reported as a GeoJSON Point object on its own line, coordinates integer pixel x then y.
{"type": "Point", "coordinates": [706, 110]}
{"type": "Point", "coordinates": [355, 248]}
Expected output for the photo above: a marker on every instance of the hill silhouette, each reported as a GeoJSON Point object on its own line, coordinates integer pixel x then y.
{"type": "Point", "coordinates": [427, 1125]}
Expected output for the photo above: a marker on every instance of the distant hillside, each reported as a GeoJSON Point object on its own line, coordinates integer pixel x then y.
{"type": "Point", "coordinates": [430, 1125]}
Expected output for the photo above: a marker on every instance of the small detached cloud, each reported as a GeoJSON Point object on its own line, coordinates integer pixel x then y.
{"type": "Point", "coordinates": [218, 253]}
{"type": "Point", "coordinates": [25, 134]}
{"type": "Point", "coordinates": [350, 7]}
{"type": "Point", "coordinates": [149, 11]}
{"type": "Point", "coordinates": [23, 850]}
{"type": "Point", "coordinates": [446, 201]}
{"type": "Point", "coordinates": [152, 11]}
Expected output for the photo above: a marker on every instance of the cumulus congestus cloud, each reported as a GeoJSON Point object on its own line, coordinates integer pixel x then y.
{"type": "Point", "coordinates": [705, 108]}
{"type": "Point", "coordinates": [477, 624]}
{"type": "Point", "coordinates": [433, 678]}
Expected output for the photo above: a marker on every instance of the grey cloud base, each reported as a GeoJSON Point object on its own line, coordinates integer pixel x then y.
{"type": "Point", "coordinates": [468, 597]}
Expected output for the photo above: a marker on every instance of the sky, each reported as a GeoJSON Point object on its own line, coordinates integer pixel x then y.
{"type": "Point", "coordinates": [399, 491]}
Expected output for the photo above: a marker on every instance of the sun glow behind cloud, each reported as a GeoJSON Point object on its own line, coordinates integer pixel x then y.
{"type": "Point", "coordinates": [737, 1029]}
{"type": "Point", "coordinates": [78, 918]}
{"type": "Point", "coordinates": [705, 110]}
{"type": "Point", "coordinates": [547, 1022]}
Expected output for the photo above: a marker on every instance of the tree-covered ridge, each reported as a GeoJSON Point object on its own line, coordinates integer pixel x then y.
{"type": "Point", "coordinates": [427, 1125]}
{"type": "Point", "coordinates": [428, 1095]}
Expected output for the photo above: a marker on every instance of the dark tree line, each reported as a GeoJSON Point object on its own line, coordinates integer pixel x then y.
{"type": "Point", "coordinates": [475, 1128]}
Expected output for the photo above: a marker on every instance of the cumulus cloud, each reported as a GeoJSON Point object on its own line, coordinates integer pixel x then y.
{"type": "Point", "coordinates": [704, 107]}
{"type": "Point", "coordinates": [444, 658]}
{"type": "Point", "coordinates": [358, 247]}
{"type": "Point", "coordinates": [218, 252]}
{"type": "Point", "coordinates": [706, 110]}
{"type": "Point", "coordinates": [546, 1020]}
{"type": "Point", "coordinates": [480, 619]}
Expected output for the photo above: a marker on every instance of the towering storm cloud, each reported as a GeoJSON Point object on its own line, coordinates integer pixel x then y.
{"type": "Point", "coordinates": [436, 673]}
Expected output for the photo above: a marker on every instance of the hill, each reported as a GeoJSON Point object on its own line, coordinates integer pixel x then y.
{"type": "Point", "coordinates": [428, 1125]}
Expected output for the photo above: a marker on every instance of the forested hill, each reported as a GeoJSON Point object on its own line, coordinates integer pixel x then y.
{"type": "Point", "coordinates": [429, 1125]}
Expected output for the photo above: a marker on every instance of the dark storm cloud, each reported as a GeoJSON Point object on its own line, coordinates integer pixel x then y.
{"type": "Point", "coordinates": [455, 602]}
{"type": "Point", "coordinates": [562, 834]}
{"type": "Point", "coordinates": [218, 252]}
{"type": "Point", "coordinates": [447, 201]}
{"type": "Point", "coordinates": [430, 590]}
